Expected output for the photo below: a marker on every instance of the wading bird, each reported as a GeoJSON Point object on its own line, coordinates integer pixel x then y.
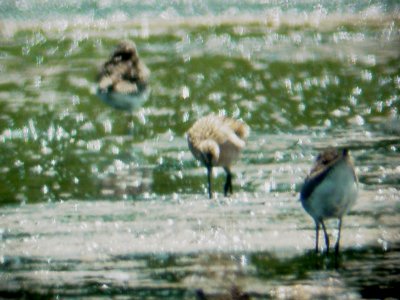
{"type": "Point", "coordinates": [123, 81]}
{"type": "Point", "coordinates": [330, 190]}
{"type": "Point", "coordinates": [217, 141]}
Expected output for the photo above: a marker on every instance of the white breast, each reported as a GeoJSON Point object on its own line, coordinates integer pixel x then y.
{"type": "Point", "coordinates": [335, 195]}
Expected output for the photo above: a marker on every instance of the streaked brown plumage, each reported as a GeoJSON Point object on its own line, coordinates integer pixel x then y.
{"type": "Point", "coordinates": [123, 79]}
{"type": "Point", "coordinates": [217, 141]}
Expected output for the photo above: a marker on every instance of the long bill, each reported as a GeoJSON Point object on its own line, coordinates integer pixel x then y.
{"type": "Point", "coordinates": [228, 183]}
{"type": "Point", "coordinates": [209, 174]}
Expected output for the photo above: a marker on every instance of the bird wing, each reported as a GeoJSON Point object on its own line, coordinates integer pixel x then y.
{"type": "Point", "coordinates": [312, 181]}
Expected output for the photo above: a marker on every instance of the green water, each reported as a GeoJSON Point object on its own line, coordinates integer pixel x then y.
{"type": "Point", "coordinates": [96, 202]}
{"type": "Point", "coordinates": [57, 137]}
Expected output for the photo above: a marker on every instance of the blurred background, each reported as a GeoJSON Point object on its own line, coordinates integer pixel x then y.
{"type": "Point", "coordinates": [107, 208]}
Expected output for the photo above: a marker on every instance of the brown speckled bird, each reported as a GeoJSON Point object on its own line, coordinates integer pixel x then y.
{"type": "Point", "coordinates": [123, 80]}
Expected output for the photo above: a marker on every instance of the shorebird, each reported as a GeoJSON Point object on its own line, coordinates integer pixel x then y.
{"type": "Point", "coordinates": [217, 141]}
{"type": "Point", "coordinates": [123, 79]}
{"type": "Point", "coordinates": [330, 190]}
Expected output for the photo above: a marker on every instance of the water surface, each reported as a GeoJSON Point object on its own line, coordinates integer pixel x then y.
{"type": "Point", "coordinates": [97, 202]}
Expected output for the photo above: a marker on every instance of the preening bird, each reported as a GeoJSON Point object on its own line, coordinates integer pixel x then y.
{"type": "Point", "coordinates": [217, 141]}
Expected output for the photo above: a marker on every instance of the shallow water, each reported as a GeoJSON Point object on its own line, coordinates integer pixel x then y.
{"type": "Point", "coordinates": [97, 202]}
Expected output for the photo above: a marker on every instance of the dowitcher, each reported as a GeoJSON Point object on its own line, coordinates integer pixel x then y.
{"type": "Point", "coordinates": [217, 141]}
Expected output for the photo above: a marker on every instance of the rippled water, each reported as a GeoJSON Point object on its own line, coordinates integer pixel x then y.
{"type": "Point", "coordinates": [96, 202]}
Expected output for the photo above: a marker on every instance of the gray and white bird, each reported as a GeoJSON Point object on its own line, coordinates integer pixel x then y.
{"type": "Point", "coordinates": [217, 141]}
{"type": "Point", "coordinates": [330, 190]}
{"type": "Point", "coordinates": [123, 81]}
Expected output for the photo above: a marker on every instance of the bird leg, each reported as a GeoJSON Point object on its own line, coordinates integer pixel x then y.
{"type": "Point", "coordinates": [209, 174]}
{"type": "Point", "coordinates": [316, 236]}
{"type": "Point", "coordinates": [326, 236]}
{"type": "Point", "coordinates": [338, 238]}
{"type": "Point", "coordinates": [228, 183]}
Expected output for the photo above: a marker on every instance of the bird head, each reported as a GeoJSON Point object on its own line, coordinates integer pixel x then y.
{"type": "Point", "coordinates": [126, 51]}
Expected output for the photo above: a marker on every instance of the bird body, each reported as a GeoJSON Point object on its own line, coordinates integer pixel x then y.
{"type": "Point", "coordinates": [217, 141]}
{"type": "Point", "coordinates": [123, 79]}
{"type": "Point", "coordinates": [330, 190]}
